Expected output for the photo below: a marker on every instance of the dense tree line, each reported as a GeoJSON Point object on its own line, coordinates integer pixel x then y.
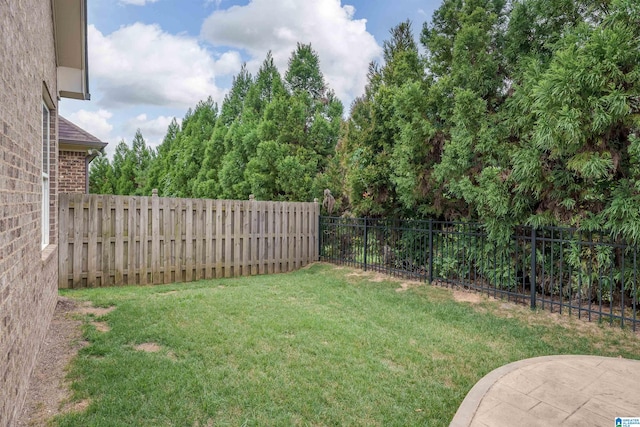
{"type": "Point", "coordinates": [506, 112]}
{"type": "Point", "coordinates": [273, 137]}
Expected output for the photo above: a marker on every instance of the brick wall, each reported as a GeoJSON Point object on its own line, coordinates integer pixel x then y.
{"type": "Point", "coordinates": [72, 171]}
{"type": "Point", "coordinates": [28, 274]}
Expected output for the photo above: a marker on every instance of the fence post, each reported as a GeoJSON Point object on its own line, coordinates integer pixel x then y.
{"type": "Point", "coordinates": [365, 243]}
{"type": "Point", "coordinates": [533, 268]}
{"type": "Point", "coordinates": [318, 228]}
{"type": "Point", "coordinates": [430, 250]}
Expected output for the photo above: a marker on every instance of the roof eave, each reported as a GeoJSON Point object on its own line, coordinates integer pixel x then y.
{"type": "Point", "coordinates": [69, 145]}
{"type": "Point", "coordinates": [70, 32]}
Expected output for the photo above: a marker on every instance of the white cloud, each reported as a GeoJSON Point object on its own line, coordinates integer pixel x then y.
{"type": "Point", "coordinates": [141, 64]}
{"type": "Point", "coordinates": [137, 2]}
{"type": "Point", "coordinates": [94, 122]}
{"type": "Point", "coordinates": [343, 44]}
{"type": "Point", "coordinates": [228, 63]}
{"type": "Point", "coordinates": [153, 130]}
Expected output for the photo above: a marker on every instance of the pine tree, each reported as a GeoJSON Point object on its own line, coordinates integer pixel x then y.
{"type": "Point", "coordinates": [218, 144]}
{"type": "Point", "coordinates": [101, 176]}
{"type": "Point", "coordinates": [188, 149]}
{"type": "Point", "coordinates": [373, 171]}
{"type": "Point", "coordinates": [158, 177]}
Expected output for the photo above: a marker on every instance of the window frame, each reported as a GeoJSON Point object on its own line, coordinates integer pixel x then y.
{"type": "Point", "coordinates": [46, 174]}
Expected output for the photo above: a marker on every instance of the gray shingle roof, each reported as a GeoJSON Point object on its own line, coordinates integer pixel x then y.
{"type": "Point", "coordinates": [72, 134]}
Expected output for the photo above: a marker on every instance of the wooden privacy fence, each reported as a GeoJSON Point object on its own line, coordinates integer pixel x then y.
{"type": "Point", "coordinates": [123, 240]}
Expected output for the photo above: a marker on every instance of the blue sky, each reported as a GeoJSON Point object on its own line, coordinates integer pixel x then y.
{"type": "Point", "coordinates": [151, 60]}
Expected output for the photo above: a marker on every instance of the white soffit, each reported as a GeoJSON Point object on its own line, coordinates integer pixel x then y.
{"type": "Point", "coordinates": [70, 23]}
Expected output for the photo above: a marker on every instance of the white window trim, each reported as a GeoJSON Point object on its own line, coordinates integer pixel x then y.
{"type": "Point", "coordinates": [46, 169]}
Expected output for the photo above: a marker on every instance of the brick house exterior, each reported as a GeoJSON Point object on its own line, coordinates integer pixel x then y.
{"type": "Point", "coordinates": [77, 148]}
{"type": "Point", "coordinates": [43, 51]}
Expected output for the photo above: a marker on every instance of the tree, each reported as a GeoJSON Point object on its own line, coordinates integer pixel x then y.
{"type": "Point", "coordinates": [131, 166]}
{"type": "Point", "coordinates": [123, 170]}
{"type": "Point", "coordinates": [142, 157]}
{"type": "Point", "coordinates": [371, 135]}
{"type": "Point", "coordinates": [189, 148]}
{"type": "Point", "coordinates": [158, 177]}
{"type": "Point", "coordinates": [303, 74]}
{"type": "Point", "coordinates": [218, 144]}
{"type": "Point", "coordinates": [576, 162]}
{"type": "Point", "coordinates": [101, 175]}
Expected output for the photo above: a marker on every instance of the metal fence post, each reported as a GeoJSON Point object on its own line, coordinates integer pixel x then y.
{"type": "Point", "coordinates": [320, 237]}
{"type": "Point", "coordinates": [430, 250]}
{"type": "Point", "coordinates": [365, 244]}
{"type": "Point", "coordinates": [533, 268]}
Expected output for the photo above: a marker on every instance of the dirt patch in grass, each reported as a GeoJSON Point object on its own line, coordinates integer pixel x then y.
{"type": "Point", "coordinates": [149, 347]}
{"type": "Point", "coordinates": [101, 326]}
{"type": "Point", "coordinates": [47, 386]}
{"type": "Point", "coordinates": [405, 286]}
{"type": "Point", "coordinates": [96, 311]}
{"type": "Point", "coordinates": [76, 406]}
{"type": "Point", "coordinates": [467, 296]}
{"type": "Point", "coordinates": [377, 277]}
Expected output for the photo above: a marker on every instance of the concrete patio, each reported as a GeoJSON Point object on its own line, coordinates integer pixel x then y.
{"type": "Point", "coordinates": [554, 391]}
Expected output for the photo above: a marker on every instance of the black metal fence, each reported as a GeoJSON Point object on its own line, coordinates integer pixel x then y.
{"type": "Point", "coordinates": [588, 274]}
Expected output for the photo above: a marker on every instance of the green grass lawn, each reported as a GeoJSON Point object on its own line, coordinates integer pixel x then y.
{"type": "Point", "coordinates": [320, 346]}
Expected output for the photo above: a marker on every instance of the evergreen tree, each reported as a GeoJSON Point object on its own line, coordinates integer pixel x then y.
{"type": "Point", "coordinates": [578, 121]}
{"type": "Point", "coordinates": [188, 149]}
{"type": "Point", "coordinates": [101, 177]}
{"type": "Point", "coordinates": [300, 128]}
{"type": "Point", "coordinates": [131, 167]}
{"type": "Point", "coordinates": [218, 144]}
{"type": "Point", "coordinates": [124, 172]}
{"type": "Point", "coordinates": [158, 177]}
{"type": "Point", "coordinates": [142, 157]}
{"type": "Point", "coordinates": [373, 164]}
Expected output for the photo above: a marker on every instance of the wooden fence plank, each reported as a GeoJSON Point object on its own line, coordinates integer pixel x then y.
{"type": "Point", "coordinates": [143, 236]}
{"type": "Point", "coordinates": [63, 241]}
{"type": "Point", "coordinates": [306, 229]}
{"type": "Point", "coordinates": [277, 237]}
{"type": "Point", "coordinates": [237, 239]}
{"type": "Point", "coordinates": [132, 252]}
{"type": "Point", "coordinates": [254, 237]}
{"type": "Point", "coordinates": [219, 235]}
{"type": "Point", "coordinates": [261, 238]}
{"type": "Point", "coordinates": [198, 235]}
{"type": "Point", "coordinates": [285, 237]}
{"type": "Point", "coordinates": [119, 250]}
{"type": "Point", "coordinates": [77, 241]}
{"type": "Point", "coordinates": [168, 256]}
{"type": "Point", "coordinates": [188, 238]}
{"type": "Point", "coordinates": [291, 236]}
{"type": "Point", "coordinates": [209, 241]}
{"type": "Point", "coordinates": [155, 239]}
{"type": "Point", "coordinates": [228, 242]}
{"type": "Point", "coordinates": [177, 219]}
{"type": "Point", "coordinates": [269, 236]}
{"type": "Point", "coordinates": [246, 247]}
{"type": "Point", "coordinates": [92, 240]}
{"type": "Point", "coordinates": [298, 235]}
{"type": "Point", "coordinates": [107, 238]}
